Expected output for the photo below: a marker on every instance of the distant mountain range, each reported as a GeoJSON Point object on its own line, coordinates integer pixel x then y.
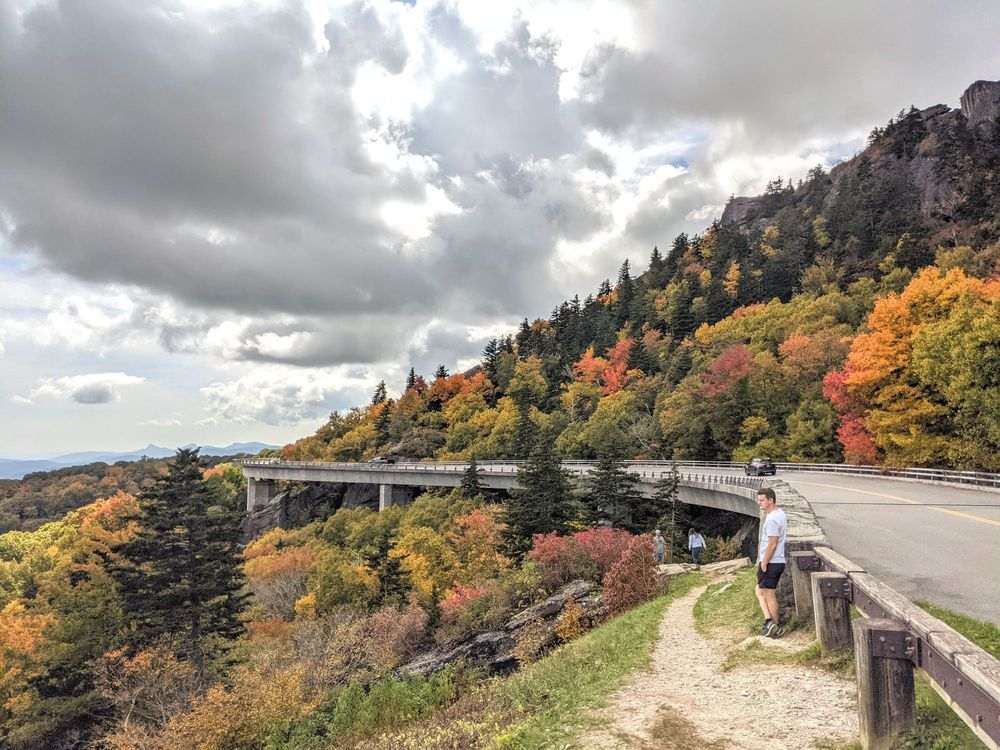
{"type": "Point", "coordinates": [16, 468]}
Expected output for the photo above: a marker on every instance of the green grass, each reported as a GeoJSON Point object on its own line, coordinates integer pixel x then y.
{"type": "Point", "coordinates": [555, 693]}
{"type": "Point", "coordinates": [729, 606]}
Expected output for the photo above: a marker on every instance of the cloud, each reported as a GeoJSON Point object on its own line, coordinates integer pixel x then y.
{"type": "Point", "coordinates": [162, 422]}
{"type": "Point", "coordinates": [336, 192]}
{"type": "Point", "coordinates": [277, 395]}
{"type": "Point", "coordinates": [94, 388]}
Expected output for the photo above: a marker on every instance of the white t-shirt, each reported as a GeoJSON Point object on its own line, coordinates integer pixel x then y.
{"type": "Point", "coordinates": [775, 524]}
{"type": "Point", "coordinates": [695, 540]}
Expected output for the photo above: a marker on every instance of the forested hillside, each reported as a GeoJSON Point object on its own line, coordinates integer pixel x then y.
{"type": "Point", "coordinates": [25, 504]}
{"type": "Point", "coordinates": [852, 316]}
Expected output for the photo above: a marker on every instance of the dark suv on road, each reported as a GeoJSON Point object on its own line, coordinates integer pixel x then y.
{"type": "Point", "coordinates": [758, 466]}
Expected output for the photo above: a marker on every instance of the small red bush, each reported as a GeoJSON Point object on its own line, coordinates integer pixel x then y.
{"type": "Point", "coordinates": [457, 601]}
{"type": "Point", "coordinates": [587, 554]}
{"type": "Point", "coordinates": [632, 580]}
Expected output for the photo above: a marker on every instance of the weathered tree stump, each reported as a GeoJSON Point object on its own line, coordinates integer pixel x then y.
{"type": "Point", "coordinates": [886, 702]}
{"type": "Point", "coordinates": [831, 611]}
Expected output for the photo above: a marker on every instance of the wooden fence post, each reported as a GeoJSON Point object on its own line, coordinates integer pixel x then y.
{"type": "Point", "coordinates": [831, 611]}
{"type": "Point", "coordinates": [801, 584]}
{"type": "Point", "coordinates": [886, 702]}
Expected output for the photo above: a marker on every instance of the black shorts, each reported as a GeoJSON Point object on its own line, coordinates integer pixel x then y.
{"type": "Point", "coordinates": [768, 579]}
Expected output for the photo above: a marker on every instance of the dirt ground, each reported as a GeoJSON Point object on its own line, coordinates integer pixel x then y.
{"type": "Point", "coordinates": [684, 700]}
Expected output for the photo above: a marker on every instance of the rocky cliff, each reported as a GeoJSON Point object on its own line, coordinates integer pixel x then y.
{"type": "Point", "coordinates": [935, 172]}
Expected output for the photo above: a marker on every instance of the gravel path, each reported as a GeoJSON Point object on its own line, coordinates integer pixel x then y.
{"type": "Point", "coordinates": [761, 707]}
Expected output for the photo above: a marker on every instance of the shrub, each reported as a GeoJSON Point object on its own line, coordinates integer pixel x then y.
{"type": "Point", "coordinates": [570, 624]}
{"type": "Point", "coordinates": [587, 554]}
{"type": "Point", "coordinates": [718, 548]}
{"type": "Point", "coordinates": [632, 580]}
{"type": "Point", "coordinates": [396, 634]}
{"type": "Point", "coordinates": [240, 717]}
{"type": "Point", "coordinates": [532, 642]}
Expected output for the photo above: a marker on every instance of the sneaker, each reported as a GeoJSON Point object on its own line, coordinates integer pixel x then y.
{"type": "Point", "coordinates": [774, 630]}
{"type": "Point", "coordinates": [766, 625]}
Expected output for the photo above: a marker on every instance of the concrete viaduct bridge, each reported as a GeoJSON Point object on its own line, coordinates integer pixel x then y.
{"type": "Point", "coordinates": [719, 491]}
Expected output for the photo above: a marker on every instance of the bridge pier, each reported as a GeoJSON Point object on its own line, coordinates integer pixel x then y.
{"type": "Point", "coordinates": [384, 496]}
{"type": "Point", "coordinates": [259, 492]}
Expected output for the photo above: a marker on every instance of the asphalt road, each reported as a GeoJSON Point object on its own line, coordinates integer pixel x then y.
{"type": "Point", "coordinates": [929, 542]}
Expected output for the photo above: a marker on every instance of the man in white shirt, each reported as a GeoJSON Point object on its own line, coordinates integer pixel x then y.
{"type": "Point", "coordinates": [770, 559]}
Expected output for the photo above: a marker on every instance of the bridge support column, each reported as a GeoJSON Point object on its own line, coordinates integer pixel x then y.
{"type": "Point", "coordinates": [886, 700]}
{"type": "Point", "coordinates": [259, 493]}
{"type": "Point", "coordinates": [384, 496]}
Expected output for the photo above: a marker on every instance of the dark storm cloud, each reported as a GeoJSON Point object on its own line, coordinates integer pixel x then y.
{"type": "Point", "coordinates": [98, 393]}
{"type": "Point", "coordinates": [198, 156]}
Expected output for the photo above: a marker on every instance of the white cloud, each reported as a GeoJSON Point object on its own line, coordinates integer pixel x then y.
{"type": "Point", "coordinates": [162, 422]}
{"type": "Point", "coordinates": [93, 388]}
{"type": "Point", "coordinates": [279, 395]}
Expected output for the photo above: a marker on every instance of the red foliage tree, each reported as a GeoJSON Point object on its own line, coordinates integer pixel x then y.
{"type": "Point", "coordinates": [632, 580]}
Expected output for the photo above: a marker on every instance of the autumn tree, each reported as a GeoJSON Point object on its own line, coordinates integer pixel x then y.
{"type": "Point", "coordinates": [180, 577]}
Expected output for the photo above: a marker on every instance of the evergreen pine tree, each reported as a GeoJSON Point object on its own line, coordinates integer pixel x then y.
{"type": "Point", "coordinates": [657, 269]}
{"type": "Point", "coordinates": [626, 295]}
{"type": "Point", "coordinates": [471, 483]}
{"type": "Point", "coordinates": [411, 379]}
{"type": "Point", "coordinates": [382, 422]}
{"type": "Point", "coordinates": [180, 577]}
{"type": "Point", "coordinates": [441, 372]}
{"type": "Point", "coordinates": [612, 493]}
{"type": "Point", "coordinates": [380, 394]}
{"type": "Point", "coordinates": [543, 501]}
{"type": "Point", "coordinates": [524, 429]}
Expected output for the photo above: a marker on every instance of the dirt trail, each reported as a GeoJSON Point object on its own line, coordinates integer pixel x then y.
{"type": "Point", "coordinates": [759, 707]}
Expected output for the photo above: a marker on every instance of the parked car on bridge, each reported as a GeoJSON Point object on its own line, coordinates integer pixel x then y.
{"type": "Point", "coordinates": [760, 466]}
{"type": "Point", "coordinates": [382, 460]}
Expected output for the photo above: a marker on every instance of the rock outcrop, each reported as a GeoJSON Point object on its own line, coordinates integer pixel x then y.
{"type": "Point", "coordinates": [494, 650]}
{"type": "Point", "coordinates": [981, 102]}
{"type": "Point", "coordinates": [309, 502]}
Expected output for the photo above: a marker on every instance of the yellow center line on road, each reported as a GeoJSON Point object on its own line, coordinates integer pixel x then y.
{"type": "Point", "coordinates": [958, 513]}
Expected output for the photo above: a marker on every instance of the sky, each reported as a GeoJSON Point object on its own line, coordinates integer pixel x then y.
{"type": "Point", "coordinates": [221, 221]}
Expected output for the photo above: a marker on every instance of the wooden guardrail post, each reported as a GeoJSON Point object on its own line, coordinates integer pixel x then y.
{"type": "Point", "coordinates": [831, 595]}
{"type": "Point", "coordinates": [803, 563]}
{"type": "Point", "coordinates": [883, 652]}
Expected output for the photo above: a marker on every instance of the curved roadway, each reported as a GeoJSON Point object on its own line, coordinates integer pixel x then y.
{"type": "Point", "coordinates": [930, 542]}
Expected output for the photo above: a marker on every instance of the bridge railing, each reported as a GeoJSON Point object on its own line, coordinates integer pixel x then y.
{"type": "Point", "coordinates": [638, 468]}
{"type": "Point", "coordinates": [971, 478]}
{"type": "Point", "coordinates": [894, 638]}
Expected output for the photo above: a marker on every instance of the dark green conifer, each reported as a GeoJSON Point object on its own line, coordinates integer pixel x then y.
{"type": "Point", "coordinates": [524, 429]}
{"type": "Point", "coordinates": [380, 394]}
{"type": "Point", "coordinates": [180, 577]}
{"type": "Point", "coordinates": [543, 501]}
{"type": "Point", "coordinates": [382, 423]}
{"type": "Point", "coordinates": [411, 379]}
{"type": "Point", "coordinates": [441, 372]}
{"type": "Point", "coordinates": [472, 485]}
{"type": "Point", "coordinates": [612, 493]}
